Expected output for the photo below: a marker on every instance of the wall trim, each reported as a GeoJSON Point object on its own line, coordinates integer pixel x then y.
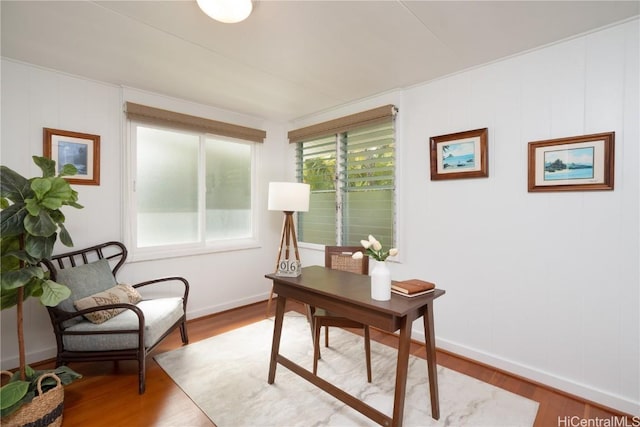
{"type": "Point", "coordinates": [562, 385]}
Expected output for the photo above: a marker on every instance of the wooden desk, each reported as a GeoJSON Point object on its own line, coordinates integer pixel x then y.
{"type": "Point", "coordinates": [349, 295]}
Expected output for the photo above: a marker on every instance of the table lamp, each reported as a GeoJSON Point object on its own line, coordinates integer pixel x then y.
{"type": "Point", "coordinates": [288, 197]}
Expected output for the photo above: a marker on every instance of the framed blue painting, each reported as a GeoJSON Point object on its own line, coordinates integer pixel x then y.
{"type": "Point", "coordinates": [578, 163]}
{"type": "Point", "coordinates": [79, 149]}
{"type": "Point", "coordinates": [460, 155]}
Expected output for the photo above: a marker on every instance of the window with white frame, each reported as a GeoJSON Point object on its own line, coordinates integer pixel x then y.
{"type": "Point", "coordinates": [190, 191]}
{"type": "Point", "coordinates": [352, 177]}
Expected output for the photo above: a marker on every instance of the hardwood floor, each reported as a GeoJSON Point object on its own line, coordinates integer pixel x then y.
{"type": "Point", "coordinates": [108, 394]}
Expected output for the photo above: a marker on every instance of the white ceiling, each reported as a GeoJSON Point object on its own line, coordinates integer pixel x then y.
{"type": "Point", "coordinates": [289, 58]}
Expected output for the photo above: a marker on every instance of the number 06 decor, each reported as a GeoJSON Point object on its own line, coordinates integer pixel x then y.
{"type": "Point", "coordinates": [578, 163]}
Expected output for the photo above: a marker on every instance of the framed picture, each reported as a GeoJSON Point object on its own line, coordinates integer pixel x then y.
{"type": "Point", "coordinates": [460, 155]}
{"type": "Point", "coordinates": [79, 149]}
{"type": "Point", "coordinates": [578, 163]}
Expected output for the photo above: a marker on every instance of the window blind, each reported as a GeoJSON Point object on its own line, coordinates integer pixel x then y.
{"type": "Point", "coordinates": [152, 115]}
{"type": "Point", "coordinates": [352, 179]}
{"type": "Point", "coordinates": [367, 179]}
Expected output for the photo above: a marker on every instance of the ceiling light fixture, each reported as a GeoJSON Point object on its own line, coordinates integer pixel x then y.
{"type": "Point", "coordinates": [227, 11]}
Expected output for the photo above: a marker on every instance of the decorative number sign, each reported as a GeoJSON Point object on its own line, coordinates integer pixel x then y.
{"type": "Point", "coordinates": [289, 268]}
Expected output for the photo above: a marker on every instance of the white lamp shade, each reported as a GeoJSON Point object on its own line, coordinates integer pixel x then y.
{"type": "Point", "coordinates": [289, 196]}
{"type": "Point", "coordinates": [227, 11]}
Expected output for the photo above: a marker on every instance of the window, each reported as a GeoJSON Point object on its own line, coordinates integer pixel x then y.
{"type": "Point", "coordinates": [190, 191]}
{"type": "Point", "coordinates": [352, 179]}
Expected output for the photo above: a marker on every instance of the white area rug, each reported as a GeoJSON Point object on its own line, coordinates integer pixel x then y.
{"type": "Point", "coordinates": [226, 376]}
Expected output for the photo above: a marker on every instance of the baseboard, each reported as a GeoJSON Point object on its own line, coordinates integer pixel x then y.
{"type": "Point", "coordinates": [563, 385]}
{"type": "Point", "coordinates": [228, 305]}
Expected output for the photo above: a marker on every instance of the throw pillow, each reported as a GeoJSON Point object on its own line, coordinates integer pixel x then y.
{"type": "Point", "coordinates": [118, 294]}
{"type": "Point", "coordinates": [84, 280]}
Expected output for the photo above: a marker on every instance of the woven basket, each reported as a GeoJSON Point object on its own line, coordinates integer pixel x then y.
{"type": "Point", "coordinates": [44, 410]}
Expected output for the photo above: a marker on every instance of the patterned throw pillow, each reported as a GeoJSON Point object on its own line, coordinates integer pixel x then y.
{"type": "Point", "coordinates": [118, 294]}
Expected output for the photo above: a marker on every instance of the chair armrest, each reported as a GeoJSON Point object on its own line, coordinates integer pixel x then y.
{"type": "Point", "coordinates": [184, 281]}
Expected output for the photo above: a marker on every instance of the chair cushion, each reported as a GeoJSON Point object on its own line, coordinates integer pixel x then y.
{"type": "Point", "coordinates": [118, 294]}
{"type": "Point", "coordinates": [160, 314]}
{"type": "Point", "coordinates": [83, 281]}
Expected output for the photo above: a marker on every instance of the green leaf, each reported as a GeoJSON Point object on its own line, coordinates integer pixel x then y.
{"type": "Point", "coordinates": [32, 206]}
{"type": "Point", "coordinates": [4, 203]}
{"type": "Point", "coordinates": [12, 254]}
{"type": "Point", "coordinates": [12, 220]}
{"type": "Point", "coordinates": [41, 225]}
{"type": "Point", "coordinates": [19, 278]}
{"type": "Point", "coordinates": [59, 193]}
{"type": "Point", "coordinates": [41, 186]}
{"type": "Point", "coordinates": [65, 237]}
{"type": "Point", "coordinates": [8, 298]}
{"type": "Point", "coordinates": [13, 186]}
{"type": "Point", "coordinates": [53, 293]}
{"type": "Point", "coordinates": [39, 247]}
{"type": "Point", "coordinates": [48, 166]}
{"type": "Point", "coordinates": [29, 372]}
{"type": "Point", "coordinates": [68, 170]}
{"type": "Point", "coordinates": [12, 393]}
{"type": "Point", "coordinates": [75, 205]}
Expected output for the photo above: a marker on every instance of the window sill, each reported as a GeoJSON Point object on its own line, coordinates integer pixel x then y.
{"type": "Point", "coordinates": [149, 254]}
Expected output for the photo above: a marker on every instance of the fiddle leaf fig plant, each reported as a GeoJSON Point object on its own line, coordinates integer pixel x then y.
{"type": "Point", "coordinates": [31, 221]}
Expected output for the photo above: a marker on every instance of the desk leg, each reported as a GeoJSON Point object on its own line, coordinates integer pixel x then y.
{"type": "Point", "coordinates": [277, 332]}
{"type": "Point", "coordinates": [401, 371]}
{"type": "Point", "coordinates": [432, 369]}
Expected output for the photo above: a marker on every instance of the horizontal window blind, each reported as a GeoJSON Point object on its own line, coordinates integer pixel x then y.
{"type": "Point", "coordinates": [316, 166]}
{"type": "Point", "coordinates": [367, 176]}
{"type": "Point", "coordinates": [157, 116]}
{"type": "Point", "coordinates": [352, 179]}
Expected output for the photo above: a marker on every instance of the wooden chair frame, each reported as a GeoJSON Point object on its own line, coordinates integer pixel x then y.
{"type": "Point", "coordinates": [116, 254]}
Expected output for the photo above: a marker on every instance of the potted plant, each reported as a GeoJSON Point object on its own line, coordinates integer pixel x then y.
{"type": "Point", "coordinates": [31, 222]}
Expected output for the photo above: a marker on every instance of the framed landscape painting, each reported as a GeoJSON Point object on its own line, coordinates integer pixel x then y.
{"type": "Point", "coordinates": [578, 163]}
{"type": "Point", "coordinates": [460, 155]}
{"type": "Point", "coordinates": [79, 149]}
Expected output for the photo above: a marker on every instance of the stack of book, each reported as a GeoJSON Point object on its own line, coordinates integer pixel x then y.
{"type": "Point", "coordinates": [412, 287]}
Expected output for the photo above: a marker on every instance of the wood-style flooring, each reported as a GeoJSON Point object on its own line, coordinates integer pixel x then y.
{"type": "Point", "coordinates": [108, 394]}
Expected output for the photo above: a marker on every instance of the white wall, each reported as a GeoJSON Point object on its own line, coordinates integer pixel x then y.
{"type": "Point", "coordinates": [565, 315]}
{"type": "Point", "coordinates": [33, 98]}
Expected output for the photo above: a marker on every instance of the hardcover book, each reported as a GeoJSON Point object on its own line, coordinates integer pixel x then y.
{"type": "Point", "coordinates": [412, 287]}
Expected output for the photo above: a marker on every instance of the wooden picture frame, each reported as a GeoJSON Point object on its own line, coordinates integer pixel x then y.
{"type": "Point", "coordinates": [578, 163]}
{"type": "Point", "coordinates": [460, 155]}
{"type": "Point", "coordinates": [79, 149]}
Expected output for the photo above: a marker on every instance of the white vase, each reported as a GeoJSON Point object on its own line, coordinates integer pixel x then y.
{"type": "Point", "coordinates": [380, 281]}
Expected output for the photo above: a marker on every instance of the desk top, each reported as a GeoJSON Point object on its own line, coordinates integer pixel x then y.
{"type": "Point", "coordinates": [352, 288]}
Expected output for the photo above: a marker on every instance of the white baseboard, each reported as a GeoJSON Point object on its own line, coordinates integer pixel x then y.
{"type": "Point", "coordinates": [207, 311]}
{"type": "Point", "coordinates": [583, 391]}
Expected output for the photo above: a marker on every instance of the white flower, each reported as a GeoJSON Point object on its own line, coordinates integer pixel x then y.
{"type": "Point", "coordinates": [373, 248]}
